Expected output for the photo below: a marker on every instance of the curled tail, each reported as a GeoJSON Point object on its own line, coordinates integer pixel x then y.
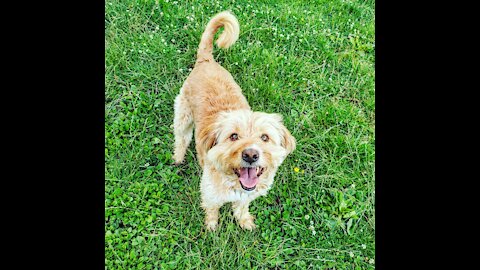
{"type": "Point", "coordinates": [227, 38]}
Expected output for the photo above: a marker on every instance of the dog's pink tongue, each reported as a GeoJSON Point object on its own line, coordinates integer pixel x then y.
{"type": "Point", "coordinates": [248, 177]}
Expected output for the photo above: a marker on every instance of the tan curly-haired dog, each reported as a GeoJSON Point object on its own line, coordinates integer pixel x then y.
{"type": "Point", "coordinates": [239, 150]}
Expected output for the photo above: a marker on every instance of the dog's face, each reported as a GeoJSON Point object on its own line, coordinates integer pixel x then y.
{"type": "Point", "coordinates": [249, 146]}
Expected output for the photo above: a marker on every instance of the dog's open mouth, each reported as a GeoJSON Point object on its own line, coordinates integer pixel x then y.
{"type": "Point", "coordinates": [248, 176]}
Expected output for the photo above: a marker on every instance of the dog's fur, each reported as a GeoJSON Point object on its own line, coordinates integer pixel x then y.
{"type": "Point", "coordinates": [212, 101]}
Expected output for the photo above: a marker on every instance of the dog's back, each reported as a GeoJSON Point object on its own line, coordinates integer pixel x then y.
{"type": "Point", "coordinates": [210, 88]}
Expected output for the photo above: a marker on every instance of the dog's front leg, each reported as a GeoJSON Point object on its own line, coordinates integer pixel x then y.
{"type": "Point", "coordinates": [211, 203]}
{"type": "Point", "coordinates": [211, 216]}
{"type": "Point", "coordinates": [244, 218]}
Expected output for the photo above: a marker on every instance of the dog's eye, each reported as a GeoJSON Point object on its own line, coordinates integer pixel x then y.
{"type": "Point", "coordinates": [234, 137]}
{"type": "Point", "coordinates": [265, 138]}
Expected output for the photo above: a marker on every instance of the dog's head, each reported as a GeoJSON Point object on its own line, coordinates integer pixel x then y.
{"type": "Point", "coordinates": [248, 145]}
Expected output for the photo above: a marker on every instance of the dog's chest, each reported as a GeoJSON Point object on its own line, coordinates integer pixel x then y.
{"type": "Point", "coordinates": [239, 195]}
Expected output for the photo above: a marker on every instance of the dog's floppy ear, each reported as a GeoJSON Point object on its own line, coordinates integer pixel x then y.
{"type": "Point", "coordinates": [287, 141]}
{"type": "Point", "coordinates": [208, 137]}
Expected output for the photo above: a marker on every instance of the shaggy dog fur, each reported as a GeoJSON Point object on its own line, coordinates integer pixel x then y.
{"type": "Point", "coordinates": [239, 150]}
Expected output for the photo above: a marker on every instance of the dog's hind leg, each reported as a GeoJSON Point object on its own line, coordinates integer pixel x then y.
{"type": "Point", "coordinates": [182, 127]}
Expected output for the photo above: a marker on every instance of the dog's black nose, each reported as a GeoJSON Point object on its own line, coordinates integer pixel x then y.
{"type": "Point", "coordinates": [250, 155]}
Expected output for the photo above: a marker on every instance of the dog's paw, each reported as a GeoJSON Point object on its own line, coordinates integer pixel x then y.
{"type": "Point", "coordinates": [180, 166]}
{"type": "Point", "coordinates": [247, 224]}
{"type": "Point", "coordinates": [211, 225]}
{"type": "Point", "coordinates": [178, 159]}
{"type": "Point", "coordinates": [177, 163]}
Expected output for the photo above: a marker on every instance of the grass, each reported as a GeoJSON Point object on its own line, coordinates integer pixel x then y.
{"type": "Point", "coordinates": [311, 61]}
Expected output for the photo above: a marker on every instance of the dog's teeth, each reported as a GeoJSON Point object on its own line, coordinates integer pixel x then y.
{"type": "Point", "coordinates": [260, 171]}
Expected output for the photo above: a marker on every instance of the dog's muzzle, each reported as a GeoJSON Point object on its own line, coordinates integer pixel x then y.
{"type": "Point", "coordinates": [248, 176]}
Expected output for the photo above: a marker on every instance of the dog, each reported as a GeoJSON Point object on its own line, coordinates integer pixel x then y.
{"type": "Point", "coordinates": [238, 149]}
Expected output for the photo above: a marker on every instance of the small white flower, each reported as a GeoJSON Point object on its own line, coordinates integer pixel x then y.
{"type": "Point", "coordinates": [371, 261]}
{"type": "Point", "coordinates": [314, 232]}
{"type": "Point", "coordinates": [364, 246]}
{"type": "Point", "coordinates": [351, 254]}
{"type": "Point", "coordinates": [307, 217]}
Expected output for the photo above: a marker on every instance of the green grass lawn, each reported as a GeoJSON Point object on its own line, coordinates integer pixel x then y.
{"type": "Point", "coordinates": [311, 61]}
